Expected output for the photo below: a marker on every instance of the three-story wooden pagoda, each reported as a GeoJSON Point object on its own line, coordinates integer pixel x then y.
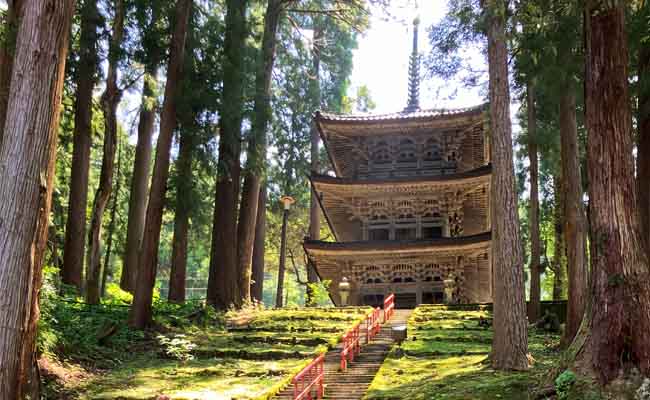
{"type": "Point", "coordinates": [409, 205]}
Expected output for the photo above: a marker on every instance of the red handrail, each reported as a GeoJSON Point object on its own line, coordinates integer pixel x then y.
{"type": "Point", "coordinates": [372, 324]}
{"type": "Point", "coordinates": [389, 307]}
{"type": "Point", "coordinates": [351, 346]}
{"type": "Point", "coordinates": [312, 376]}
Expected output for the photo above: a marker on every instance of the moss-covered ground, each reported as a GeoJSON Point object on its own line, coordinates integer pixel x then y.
{"type": "Point", "coordinates": [192, 354]}
{"type": "Point", "coordinates": [445, 356]}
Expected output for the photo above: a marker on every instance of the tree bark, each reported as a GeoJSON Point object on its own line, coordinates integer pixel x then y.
{"type": "Point", "coordinates": [75, 232]}
{"type": "Point", "coordinates": [140, 316]}
{"type": "Point", "coordinates": [257, 284]}
{"type": "Point", "coordinates": [559, 255]}
{"type": "Point", "coordinates": [283, 257]}
{"type": "Point", "coordinates": [535, 251]}
{"type": "Point", "coordinates": [314, 208]}
{"type": "Point", "coordinates": [141, 163]}
{"type": "Point", "coordinates": [7, 49]}
{"type": "Point", "coordinates": [110, 100]}
{"type": "Point", "coordinates": [223, 285]}
{"type": "Point", "coordinates": [617, 333]}
{"type": "Point", "coordinates": [181, 220]}
{"type": "Point", "coordinates": [575, 227]}
{"type": "Point", "coordinates": [510, 342]}
{"type": "Point", "coordinates": [27, 172]}
{"type": "Point", "coordinates": [643, 148]}
{"type": "Point", "coordinates": [256, 160]}
{"type": "Point", "coordinates": [106, 272]}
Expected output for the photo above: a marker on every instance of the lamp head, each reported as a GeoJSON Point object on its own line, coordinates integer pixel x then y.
{"type": "Point", "coordinates": [287, 201]}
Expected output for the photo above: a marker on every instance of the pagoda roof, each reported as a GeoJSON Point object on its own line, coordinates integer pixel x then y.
{"type": "Point", "coordinates": [319, 248]}
{"type": "Point", "coordinates": [343, 200]}
{"type": "Point", "coordinates": [338, 131]}
{"type": "Point", "coordinates": [429, 115]}
{"type": "Point", "coordinates": [459, 178]}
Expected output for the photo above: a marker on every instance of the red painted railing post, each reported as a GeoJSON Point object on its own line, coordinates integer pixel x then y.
{"type": "Point", "coordinates": [311, 377]}
{"type": "Point", "coordinates": [389, 307]}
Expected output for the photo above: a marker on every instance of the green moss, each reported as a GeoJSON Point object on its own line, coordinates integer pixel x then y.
{"type": "Point", "coordinates": [201, 379]}
{"type": "Point", "coordinates": [253, 356]}
{"type": "Point", "coordinates": [445, 357]}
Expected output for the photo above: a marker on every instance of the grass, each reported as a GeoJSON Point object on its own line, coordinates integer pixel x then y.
{"type": "Point", "coordinates": [193, 353]}
{"type": "Point", "coordinates": [445, 357]}
{"type": "Point", "coordinates": [199, 379]}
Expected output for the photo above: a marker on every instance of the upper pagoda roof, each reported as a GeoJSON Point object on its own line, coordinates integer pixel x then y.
{"type": "Point", "coordinates": [341, 133]}
{"type": "Point", "coordinates": [430, 115]}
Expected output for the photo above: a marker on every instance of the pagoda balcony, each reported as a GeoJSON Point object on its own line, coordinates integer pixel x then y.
{"type": "Point", "coordinates": [405, 208]}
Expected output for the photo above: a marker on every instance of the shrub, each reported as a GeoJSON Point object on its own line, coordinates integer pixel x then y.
{"type": "Point", "coordinates": [563, 384]}
{"type": "Point", "coordinates": [177, 347]}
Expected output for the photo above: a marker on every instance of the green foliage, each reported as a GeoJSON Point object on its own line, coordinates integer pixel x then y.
{"type": "Point", "coordinates": [115, 294]}
{"type": "Point", "coordinates": [97, 335]}
{"type": "Point", "coordinates": [563, 384]}
{"type": "Point", "coordinates": [177, 347]}
{"type": "Point", "coordinates": [320, 292]}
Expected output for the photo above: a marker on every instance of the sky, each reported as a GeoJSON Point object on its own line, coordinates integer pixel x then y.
{"type": "Point", "coordinates": [382, 58]}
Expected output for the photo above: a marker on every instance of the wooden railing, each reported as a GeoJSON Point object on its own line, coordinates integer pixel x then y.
{"type": "Point", "coordinates": [372, 324]}
{"type": "Point", "coordinates": [389, 307]}
{"type": "Point", "coordinates": [310, 378]}
{"type": "Point", "coordinates": [313, 375]}
{"type": "Point", "coordinates": [351, 346]}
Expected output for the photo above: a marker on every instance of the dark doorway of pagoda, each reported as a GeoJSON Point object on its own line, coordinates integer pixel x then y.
{"type": "Point", "coordinates": [405, 300]}
{"type": "Point", "coordinates": [379, 234]}
{"type": "Point", "coordinates": [373, 300]}
{"type": "Point", "coordinates": [433, 232]}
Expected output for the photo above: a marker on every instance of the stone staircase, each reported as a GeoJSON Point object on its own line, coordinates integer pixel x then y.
{"type": "Point", "coordinates": [353, 383]}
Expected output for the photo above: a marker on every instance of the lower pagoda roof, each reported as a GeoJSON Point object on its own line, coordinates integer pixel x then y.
{"type": "Point", "coordinates": [346, 201]}
{"type": "Point", "coordinates": [395, 248]}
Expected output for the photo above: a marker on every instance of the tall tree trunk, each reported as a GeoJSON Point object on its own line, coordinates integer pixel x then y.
{"type": "Point", "coordinates": [27, 172]}
{"type": "Point", "coordinates": [75, 232]}
{"type": "Point", "coordinates": [142, 160]}
{"type": "Point", "coordinates": [534, 205]}
{"type": "Point", "coordinates": [140, 316]}
{"type": "Point", "coordinates": [106, 271]}
{"type": "Point", "coordinates": [223, 286]}
{"type": "Point", "coordinates": [575, 227]}
{"type": "Point", "coordinates": [314, 208]}
{"type": "Point", "coordinates": [617, 323]}
{"type": "Point", "coordinates": [7, 49]}
{"type": "Point", "coordinates": [510, 342]}
{"type": "Point", "coordinates": [257, 284]}
{"type": "Point", "coordinates": [256, 160]}
{"type": "Point", "coordinates": [181, 219]}
{"type": "Point", "coordinates": [283, 258]}
{"type": "Point", "coordinates": [643, 148]}
{"type": "Point", "coordinates": [109, 101]}
{"type": "Point", "coordinates": [559, 255]}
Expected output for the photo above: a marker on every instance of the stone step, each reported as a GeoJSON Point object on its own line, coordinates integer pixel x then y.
{"type": "Point", "coordinates": [353, 383]}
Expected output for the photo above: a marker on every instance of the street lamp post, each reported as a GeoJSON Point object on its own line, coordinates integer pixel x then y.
{"type": "Point", "coordinates": [286, 201]}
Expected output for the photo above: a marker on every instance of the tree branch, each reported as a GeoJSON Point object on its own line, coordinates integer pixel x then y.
{"type": "Point", "coordinates": [295, 269]}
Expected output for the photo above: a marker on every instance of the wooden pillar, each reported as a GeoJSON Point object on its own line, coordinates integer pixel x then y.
{"type": "Point", "coordinates": [445, 227]}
